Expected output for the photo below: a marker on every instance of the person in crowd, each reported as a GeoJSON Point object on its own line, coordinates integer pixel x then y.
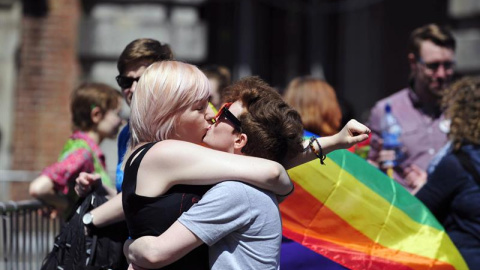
{"type": "Point", "coordinates": [417, 108]}
{"type": "Point", "coordinates": [131, 64]}
{"type": "Point", "coordinates": [171, 105]}
{"type": "Point", "coordinates": [95, 111]}
{"type": "Point", "coordinates": [219, 78]}
{"type": "Point", "coordinates": [133, 61]}
{"type": "Point", "coordinates": [452, 192]}
{"type": "Point", "coordinates": [317, 104]}
{"type": "Point", "coordinates": [240, 223]}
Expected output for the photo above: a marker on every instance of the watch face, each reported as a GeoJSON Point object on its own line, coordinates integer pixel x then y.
{"type": "Point", "coordinates": [87, 219]}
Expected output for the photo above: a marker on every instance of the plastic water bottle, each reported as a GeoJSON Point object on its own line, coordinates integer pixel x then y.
{"type": "Point", "coordinates": [391, 132]}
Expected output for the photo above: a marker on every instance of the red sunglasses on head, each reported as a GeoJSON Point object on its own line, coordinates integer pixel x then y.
{"type": "Point", "coordinates": [225, 112]}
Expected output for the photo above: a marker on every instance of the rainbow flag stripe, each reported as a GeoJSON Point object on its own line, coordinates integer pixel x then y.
{"type": "Point", "coordinates": [353, 214]}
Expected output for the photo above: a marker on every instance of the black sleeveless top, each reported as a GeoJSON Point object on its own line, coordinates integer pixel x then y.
{"type": "Point", "coordinates": [154, 215]}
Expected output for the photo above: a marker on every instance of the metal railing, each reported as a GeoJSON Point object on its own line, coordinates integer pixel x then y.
{"type": "Point", "coordinates": [7, 177]}
{"type": "Point", "coordinates": [26, 236]}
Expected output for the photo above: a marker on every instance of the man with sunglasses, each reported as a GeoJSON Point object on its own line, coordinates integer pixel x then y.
{"type": "Point", "coordinates": [135, 58]}
{"type": "Point", "coordinates": [417, 107]}
{"type": "Point", "coordinates": [240, 223]}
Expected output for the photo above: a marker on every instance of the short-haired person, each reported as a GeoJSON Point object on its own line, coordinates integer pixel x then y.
{"type": "Point", "coordinates": [417, 107]}
{"type": "Point", "coordinates": [240, 223]}
{"type": "Point", "coordinates": [452, 191]}
{"type": "Point", "coordinates": [170, 103]}
{"type": "Point", "coordinates": [135, 58]}
{"type": "Point", "coordinates": [95, 111]}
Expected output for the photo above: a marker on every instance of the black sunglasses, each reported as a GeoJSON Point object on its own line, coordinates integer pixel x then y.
{"type": "Point", "coordinates": [225, 112]}
{"type": "Point", "coordinates": [447, 65]}
{"type": "Point", "coordinates": [126, 82]}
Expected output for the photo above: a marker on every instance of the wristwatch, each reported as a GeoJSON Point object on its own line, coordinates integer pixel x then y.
{"type": "Point", "coordinates": [88, 220]}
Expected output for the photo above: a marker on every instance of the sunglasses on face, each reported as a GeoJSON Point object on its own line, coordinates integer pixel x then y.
{"type": "Point", "coordinates": [126, 82]}
{"type": "Point", "coordinates": [447, 65]}
{"type": "Point", "coordinates": [227, 114]}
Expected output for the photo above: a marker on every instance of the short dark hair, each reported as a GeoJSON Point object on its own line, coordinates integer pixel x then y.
{"type": "Point", "coordinates": [90, 95]}
{"type": "Point", "coordinates": [273, 128]}
{"type": "Point", "coordinates": [143, 50]}
{"type": "Point", "coordinates": [440, 36]}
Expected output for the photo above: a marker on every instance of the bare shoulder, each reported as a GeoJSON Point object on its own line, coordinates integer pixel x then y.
{"type": "Point", "coordinates": [157, 154]}
{"type": "Point", "coordinates": [168, 153]}
{"type": "Point", "coordinates": [153, 176]}
{"type": "Point", "coordinates": [167, 148]}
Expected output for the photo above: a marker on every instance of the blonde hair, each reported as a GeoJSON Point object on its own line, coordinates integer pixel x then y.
{"type": "Point", "coordinates": [317, 103]}
{"type": "Point", "coordinates": [164, 91]}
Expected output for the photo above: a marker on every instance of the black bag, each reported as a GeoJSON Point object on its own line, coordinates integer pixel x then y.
{"type": "Point", "coordinates": [101, 249]}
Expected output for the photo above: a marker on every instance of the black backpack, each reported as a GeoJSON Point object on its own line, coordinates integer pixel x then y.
{"type": "Point", "coordinates": [102, 249]}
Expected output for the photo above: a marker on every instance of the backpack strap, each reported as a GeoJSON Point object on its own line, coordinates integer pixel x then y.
{"type": "Point", "coordinates": [467, 165]}
{"type": "Point", "coordinates": [92, 247]}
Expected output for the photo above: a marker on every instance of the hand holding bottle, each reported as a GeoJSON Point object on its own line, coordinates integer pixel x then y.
{"type": "Point", "coordinates": [391, 152]}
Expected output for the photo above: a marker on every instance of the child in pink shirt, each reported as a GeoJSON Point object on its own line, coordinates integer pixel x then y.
{"type": "Point", "coordinates": [95, 111]}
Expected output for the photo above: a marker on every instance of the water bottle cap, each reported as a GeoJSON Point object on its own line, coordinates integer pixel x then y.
{"type": "Point", "coordinates": [388, 108]}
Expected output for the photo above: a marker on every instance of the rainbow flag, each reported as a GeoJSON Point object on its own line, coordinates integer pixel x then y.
{"type": "Point", "coordinates": [353, 214]}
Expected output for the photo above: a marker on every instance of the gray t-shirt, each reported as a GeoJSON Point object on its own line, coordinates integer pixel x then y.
{"type": "Point", "coordinates": [240, 223]}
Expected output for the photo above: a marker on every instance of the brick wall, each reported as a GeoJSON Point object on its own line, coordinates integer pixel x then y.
{"type": "Point", "coordinates": [48, 71]}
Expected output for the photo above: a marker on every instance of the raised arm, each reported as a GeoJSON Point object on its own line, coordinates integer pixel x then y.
{"type": "Point", "coordinates": [352, 133]}
{"type": "Point", "coordinates": [174, 162]}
